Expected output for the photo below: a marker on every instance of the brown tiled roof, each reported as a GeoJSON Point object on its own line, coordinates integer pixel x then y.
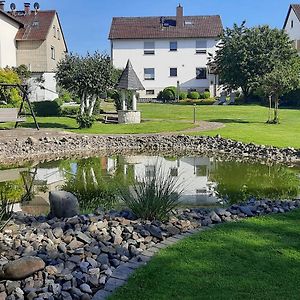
{"type": "Point", "coordinates": [151, 27]}
{"type": "Point", "coordinates": [36, 25]}
{"type": "Point", "coordinates": [296, 8]}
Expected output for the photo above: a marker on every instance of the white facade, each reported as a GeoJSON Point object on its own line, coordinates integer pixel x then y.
{"type": "Point", "coordinates": [8, 31]}
{"type": "Point", "coordinates": [49, 90]}
{"type": "Point", "coordinates": [292, 28]}
{"type": "Point", "coordinates": [185, 60]}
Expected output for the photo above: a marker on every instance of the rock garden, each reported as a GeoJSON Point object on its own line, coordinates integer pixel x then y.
{"type": "Point", "coordinates": [89, 256]}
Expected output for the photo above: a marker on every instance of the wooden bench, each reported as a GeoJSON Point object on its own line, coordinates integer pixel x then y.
{"type": "Point", "coordinates": [10, 115]}
{"type": "Point", "coordinates": [111, 119]}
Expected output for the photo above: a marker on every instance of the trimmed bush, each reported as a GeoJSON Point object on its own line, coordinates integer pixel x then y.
{"type": "Point", "coordinates": [193, 95]}
{"type": "Point", "coordinates": [169, 93]}
{"type": "Point", "coordinates": [291, 99]}
{"type": "Point", "coordinates": [85, 121]}
{"type": "Point", "coordinates": [205, 95]}
{"type": "Point", "coordinates": [183, 95]}
{"type": "Point", "coordinates": [69, 110]}
{"type": "Point", "coordinates": [47, 108]}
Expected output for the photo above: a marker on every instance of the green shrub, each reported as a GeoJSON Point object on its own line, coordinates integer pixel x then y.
{"type": "Point", "coordinates": [193, 95]}
{"type": "Point", "coordinates": [291, 99]}
{"type": "Point", "coordinates": [116, 95]}
{"type": "Point", "coordinates": [160, 95]}
{"type": "Point", "coordinates": [47, 108]}
{"type": "Point", "coordinates": [69, 111]}
{"type": "Point", "coordinates": [183, 95]}
{"type": "Point", "coordinates": [85, 121]}
{"type": "Point", "coordinates": [91, 196]}
{"type": "Point", "coordinates": [152, 198]}
{"type": "Point", "coordinates": [169, 93]}
{"type": "Point", "coordinates": [204, 95]}
{"type": "Point", "coordinates": [210, 101]}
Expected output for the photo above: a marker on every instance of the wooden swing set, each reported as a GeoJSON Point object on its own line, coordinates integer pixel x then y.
{"type": "Point", "coordinates": [15, 114]}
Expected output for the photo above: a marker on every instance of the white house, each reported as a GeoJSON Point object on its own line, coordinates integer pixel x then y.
{"type": "Point", "coordinates": [167, 50]}
{"type": "Point", "coordinates": [292, 24]}
{"type": "Point", "coordinates": [33, 38]}
{"type": "Point", "coordinates": [8, 30]}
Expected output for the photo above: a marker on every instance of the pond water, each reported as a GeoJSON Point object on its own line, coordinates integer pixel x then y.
{"type": "Point", "coordinates": [205, 181]}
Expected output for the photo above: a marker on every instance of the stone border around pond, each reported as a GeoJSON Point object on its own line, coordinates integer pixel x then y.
{"type": "Point", "coordinates": [45, 148]}
{"type": "Point", "coordinates": [85, 257]}
{"type": "Point", "coordinates": [121, 275]}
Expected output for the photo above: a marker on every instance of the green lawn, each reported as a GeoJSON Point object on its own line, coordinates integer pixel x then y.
{"type": "Point", "coordinates": [253, 259]}
{"type": "Point", "coordinates": [243, 123]}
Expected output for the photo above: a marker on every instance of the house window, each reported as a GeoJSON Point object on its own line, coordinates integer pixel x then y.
{"type": "Point", "coordinates": [149, 73]}
{"type": "Point", "coordinates": [54, 31]}
{"type": "Point", "coordinates": [149, 48]}
{"type": "Point", "coordinates": [201, 73]}
{"type": "Point", "coordinates": [58, 34]}
{"type": "Point", "coordinates": [201, 47]}
{"type": "Point", "coordinates": [173, 46]}
{"type": "Point", "coordinates": [149, 92]}
{"type": "Point", "coordinates": [292, 23]}
{"type": "Point", "coordinates": [173, 72]}
{"type": "Point", "coordinates": [52, 52]}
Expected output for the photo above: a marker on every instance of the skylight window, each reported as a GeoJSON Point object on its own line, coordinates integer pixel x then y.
{"type": "Point", "coordinates": [188, 23]}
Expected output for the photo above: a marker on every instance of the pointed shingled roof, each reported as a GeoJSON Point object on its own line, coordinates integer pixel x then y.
{"type": "Point", "coordinates": [129, 79]}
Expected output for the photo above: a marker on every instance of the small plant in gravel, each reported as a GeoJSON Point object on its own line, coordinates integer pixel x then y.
{"type": "Point", "coordinates": [6, 210]}
{"type": "Point", "coordinates": [153, 197]}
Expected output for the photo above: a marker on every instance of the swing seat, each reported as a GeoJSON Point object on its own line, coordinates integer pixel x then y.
{"type": "Point", "coordinates": [10, 115]}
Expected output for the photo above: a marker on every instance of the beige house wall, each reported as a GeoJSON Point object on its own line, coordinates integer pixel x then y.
{"type": "Point", "coordinates": [37, 55]}
{"type": "Point", "coordinates": [32, 54]}
{"type": "Point", "coordinates": [57, 42]}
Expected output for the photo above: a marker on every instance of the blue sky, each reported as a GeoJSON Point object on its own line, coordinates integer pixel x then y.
{"type": "Point", "coordinates": [86, 23]}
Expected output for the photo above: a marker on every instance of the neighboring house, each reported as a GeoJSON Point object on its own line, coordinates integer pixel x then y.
{"type": "Point", "coordinates": [36, 40]}
{"type": "Point", "coordinates": [292, 25]}
{"type": "Point", "coordinates": [168, 50]}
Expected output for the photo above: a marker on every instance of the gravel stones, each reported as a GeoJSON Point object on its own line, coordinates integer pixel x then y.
{"type": "Point", "coordinates": [81, 262]}
{"type": "Point", "coordinates": [48, 148]}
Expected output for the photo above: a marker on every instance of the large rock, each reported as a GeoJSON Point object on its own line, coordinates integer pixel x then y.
{"type": "Point", "coordinates": [22, 268]}
{"type": "Point", "coordinates": [63, 205]}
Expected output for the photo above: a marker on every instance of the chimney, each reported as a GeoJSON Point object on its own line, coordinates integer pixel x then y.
{"type": "Point", "coordinates": [2, 5]}
{"type": "Point", "coordinates": [27, 8]}
{"type": "Point", "coordinates": [179, 16]}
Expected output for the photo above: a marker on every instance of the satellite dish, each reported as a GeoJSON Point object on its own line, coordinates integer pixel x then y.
{"type": "Point", "coordinates": [13, 6]}
{"type": "Point", "coordinates": [36, 6]}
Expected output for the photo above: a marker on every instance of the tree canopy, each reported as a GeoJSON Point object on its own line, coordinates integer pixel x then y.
{"type": "Point", "coordinates": [87, 77]}
{"type": "Point", "coordinates": [245, 55]}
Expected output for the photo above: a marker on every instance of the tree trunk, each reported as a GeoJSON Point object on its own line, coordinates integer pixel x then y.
{"type": "Point", "coordinates": [246, 93]}
{"type": "Point", "coordinates": [270, 108]}
{"type": "Point", "coordinates": [82, 104]}
{"type": "Point", "coordinates": [276, 114]}
{"type": "Point", "coordinates": [92, 105]}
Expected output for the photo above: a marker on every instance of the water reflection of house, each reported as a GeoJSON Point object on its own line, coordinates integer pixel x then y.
{"type": "Point", "coordinates": [193, 173]}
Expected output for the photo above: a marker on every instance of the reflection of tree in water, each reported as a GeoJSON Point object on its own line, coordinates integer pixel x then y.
{"type": "Point", "coordinates": [238, 182]}
{"type": "Point", "coordinates": [93, 185]}
{"type": "Point", "coordinates": [10, 193]}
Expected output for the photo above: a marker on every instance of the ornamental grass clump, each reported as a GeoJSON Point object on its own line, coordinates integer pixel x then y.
{"type": "Point", "coordinates": [152, 197]}
{"type": "Point", "coordinates": [6, 211]}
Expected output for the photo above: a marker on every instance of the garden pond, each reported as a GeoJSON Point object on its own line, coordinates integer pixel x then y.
{"type": "Point", "coordinates": [205, 181]}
